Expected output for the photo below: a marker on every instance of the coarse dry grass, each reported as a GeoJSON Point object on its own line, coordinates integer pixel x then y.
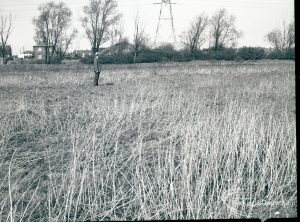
{"type": "Point", "coordinates": [190, 140]}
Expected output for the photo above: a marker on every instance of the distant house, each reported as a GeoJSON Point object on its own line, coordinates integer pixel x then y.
{"type": "Point", "coordinates": [39, 51]}
{"type": "Point", "coordinates": [83, 53]}
{"type": "Point", "coordinates": [25, 55]}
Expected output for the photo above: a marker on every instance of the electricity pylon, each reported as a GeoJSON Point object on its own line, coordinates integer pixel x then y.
{"type": "Point", "coordinates": [165, 5]}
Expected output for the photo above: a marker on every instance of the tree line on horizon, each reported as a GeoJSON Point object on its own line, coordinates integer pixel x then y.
{"type": "Point", "coordinates": [102, 23]}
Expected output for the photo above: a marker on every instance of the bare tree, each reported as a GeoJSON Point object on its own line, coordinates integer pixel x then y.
{"type": "Point", "coordinates": [117, 39]}
{"type": "Point", "coordinates": [99, 16]}
{"type": "Point", "coordinates": [223, 31]}
{"type": "Point", "coordinates": [283, 39]}
{"type": "Point", "coordinates": [139, 38]}
{"type": "Point", "coordinates": [117, 33]}
{"type": "Point", "coordinates": [291, 35]}
{"type": "Point", "coordinates": [51, 28]}
{"type": "Point", "coordinates": [65, 42]}
{"type": "Point", "coordinates": [275, 39]}
{"type": "Point", "coordinates": [5, 31]}
{"type": "Point", "coordinates": [195, 37]}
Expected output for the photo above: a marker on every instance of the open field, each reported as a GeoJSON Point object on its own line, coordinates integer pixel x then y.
{"type": "Point", "coordinates": [190, 140]}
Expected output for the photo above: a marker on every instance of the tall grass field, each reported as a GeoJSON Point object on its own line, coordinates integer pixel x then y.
{"type": "Point", "coordinates": [194, 140]}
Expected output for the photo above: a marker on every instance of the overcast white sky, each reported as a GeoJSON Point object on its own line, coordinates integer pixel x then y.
{"type": "Point", "coordinates": [254, 17]}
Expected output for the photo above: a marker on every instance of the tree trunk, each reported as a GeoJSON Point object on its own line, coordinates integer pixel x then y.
{"type": "Point", "coordinates": [134, 58]}
{"type": "Point", "coordinates": [46, 55]}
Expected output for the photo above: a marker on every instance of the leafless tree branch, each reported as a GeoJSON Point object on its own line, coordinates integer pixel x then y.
{"type": "Point", "coordinates": [223, 32]}
{"type": "Point", "coordinates": [5, 32]}
{"type": "Point", "coordinates": [195, 37]}
{"type": "Point", "coordinates": [51, 28]}
{"type": "Point", "coordinates": [99, 16]}
{"type": "Point", "coordinates": [283, 39]}
{"type": "Point", "coordinates": [139, 38]}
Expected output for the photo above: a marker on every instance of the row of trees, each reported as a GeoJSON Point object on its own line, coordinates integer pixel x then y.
{"type": "Point", "coordinates": [53, 25]}
{"type": "Point", "coordinates": [284, 39]}
{"type": "Point", "coordinates": [223, 32]}
{"type": "Point", "coordinates": [102, 23]}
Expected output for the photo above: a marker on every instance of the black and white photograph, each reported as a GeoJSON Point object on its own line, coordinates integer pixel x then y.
{"type": "Point", "coordinates": [140, 110]}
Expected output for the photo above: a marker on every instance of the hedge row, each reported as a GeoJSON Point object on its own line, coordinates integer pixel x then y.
{"type": "Point", "coordinates": [166, 54]}
{"type": "Point", "coordinates": [160, 55]}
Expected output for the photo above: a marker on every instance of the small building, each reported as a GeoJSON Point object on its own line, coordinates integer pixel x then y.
{"type": "Point", "coordinates": [83, 53]}
{"type": "Point", "coordinates": [39, 51]}
{"type": "Point", "coordinates": [25, 55]}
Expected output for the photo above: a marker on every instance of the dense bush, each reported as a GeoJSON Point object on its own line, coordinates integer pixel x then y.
{"type": "Point", "coordinates": [167, 53]}
{"type": "Point", "coordinates": [290, 54]}
{"type": "Point", "coordinates": [251, 53]}
{"type": "Point", "coordinates": [117, 59]}
{"type": "Point", "coordinates": [55, 61]}
{"type": "Point", "coordinates": [87, 60]}
{"type": "Point", "coordinates": [34, 61]}
{"type": "Point", "coordinates": [37, 61]}
{"type": "Point", "coordinates": [223, 54]}
{"type": "Point", "coordinates": [287, 54]}
{"type": "Point", "coordinates": [206, 54]}
{"type": "Point", "coordinates": [149, 56]}
{"type": "Point", "coordinates": [275, 55]}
